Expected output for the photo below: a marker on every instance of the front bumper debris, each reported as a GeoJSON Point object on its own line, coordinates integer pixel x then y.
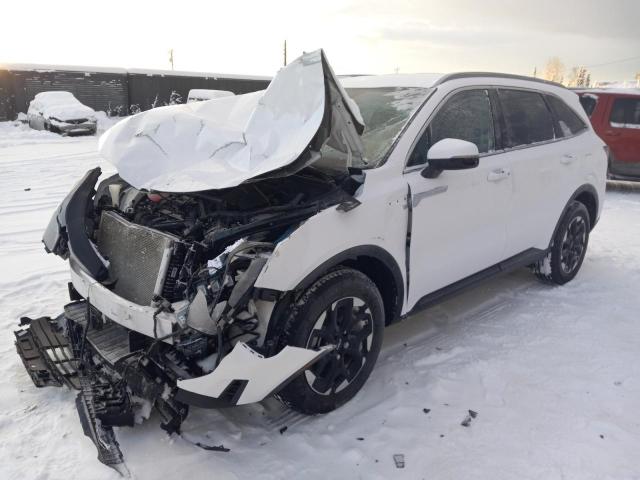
{"type": "Point", "coordinates": [46, 353]}
{"type": "Point", "coordinates": [120, 373]}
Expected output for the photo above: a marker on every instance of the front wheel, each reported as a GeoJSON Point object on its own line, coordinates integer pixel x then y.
{"type": "Point", "coordinates": [343, 309]}
{"type": "Point", "coordinates": [568, 247]}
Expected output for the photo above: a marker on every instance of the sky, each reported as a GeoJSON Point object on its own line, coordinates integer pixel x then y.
{"type": "Point", "coordinates": [372, 36]}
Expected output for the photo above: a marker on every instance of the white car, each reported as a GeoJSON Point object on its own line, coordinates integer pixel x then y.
{"type": "Point", "coordinates": [259, 244]}
{"type": "Point", "coordinates": [202, 94]}
{"type": "Point", "coordinates": [61, 112]}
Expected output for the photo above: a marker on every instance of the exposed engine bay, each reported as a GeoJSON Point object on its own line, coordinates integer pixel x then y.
{"type": "Point", "coordinates": [192, 259]}
{"type": "Point", "coordinates": [164, 311]}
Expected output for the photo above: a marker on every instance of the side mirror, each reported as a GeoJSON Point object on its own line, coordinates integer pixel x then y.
{"type": "Point", "coordinates": [450, 154]}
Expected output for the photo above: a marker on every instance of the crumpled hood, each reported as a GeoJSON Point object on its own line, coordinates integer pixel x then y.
{"type": "Point", "coordinates": [224, 142]}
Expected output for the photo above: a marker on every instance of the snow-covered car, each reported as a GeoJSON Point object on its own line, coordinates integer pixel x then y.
{"type": "Point", "coordinates": [61, 112]}
{"type": "Point", "coordinates": [202, 94]}
{"type": "Point", "coordinates": [258, 244]}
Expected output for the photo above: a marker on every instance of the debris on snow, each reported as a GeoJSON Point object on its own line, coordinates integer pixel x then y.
{"type": "Point", "coordinates": [467, 420]}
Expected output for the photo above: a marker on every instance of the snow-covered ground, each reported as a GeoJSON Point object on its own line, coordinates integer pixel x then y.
{"type": "Point", "coordinates": [553, 373]}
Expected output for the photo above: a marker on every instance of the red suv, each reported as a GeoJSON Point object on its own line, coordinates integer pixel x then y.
{"type": "Point", "coordinates": [615, 116]}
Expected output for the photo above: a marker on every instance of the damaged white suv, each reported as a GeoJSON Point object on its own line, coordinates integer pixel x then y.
{"type": "Point", "coordinates": [258, 244]}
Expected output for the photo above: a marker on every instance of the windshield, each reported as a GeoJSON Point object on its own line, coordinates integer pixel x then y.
{"type": "Point", "coordinates": [385, 112]}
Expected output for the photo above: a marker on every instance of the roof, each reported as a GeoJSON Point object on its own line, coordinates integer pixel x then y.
{"type": "Point", "coordinates": [31, 67]}
{"type": "Point", "coordinates": [609, 91]}
{"type": "Point", "coordinates": [427, 80]}
{"type": "Point", "coordinates": [424, 80]}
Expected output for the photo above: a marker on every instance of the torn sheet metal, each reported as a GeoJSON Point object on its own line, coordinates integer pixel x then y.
{"type": "Point", "coordinates": [224, 142]}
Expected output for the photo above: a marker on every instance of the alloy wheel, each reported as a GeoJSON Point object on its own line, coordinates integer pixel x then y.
{"type": "Point", "coordinates": [573, 244]}
{"type": "Point", "coordinates": [346, 324]}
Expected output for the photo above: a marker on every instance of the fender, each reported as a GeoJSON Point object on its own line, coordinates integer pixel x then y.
{"type": "Point", "coordinates": [353, 253]}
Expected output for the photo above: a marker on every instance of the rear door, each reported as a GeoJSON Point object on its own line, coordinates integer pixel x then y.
{"type": "Point", "coordinates": [622, 134]}
{"type": "Point", "coordinates": [543, 168]}
{"type": "Point", "coordinates": [457, 219]}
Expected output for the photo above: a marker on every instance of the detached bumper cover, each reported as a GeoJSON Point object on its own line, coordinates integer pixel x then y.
{"type": "Point", "coordinates": [66, 233]}
{"type": "Point", "coordinates": [112, 374]}
{"type": "Point", "coordinates": [244, 376]}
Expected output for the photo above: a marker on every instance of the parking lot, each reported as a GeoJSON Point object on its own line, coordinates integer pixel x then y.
{"type": "Point", "coordinates": [551, 372]}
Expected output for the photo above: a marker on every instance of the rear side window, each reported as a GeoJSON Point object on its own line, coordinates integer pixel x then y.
{"type": "Point", "coordinates": [465, 116]}
{"type": "Point", "coordinates": [527, 118]}
{"type": "Point", "coordinates": [569, 123]}
{"type": "Point", "coordinates": [588, 102]}
{"type": "Point", "coordinates": [625, 113]}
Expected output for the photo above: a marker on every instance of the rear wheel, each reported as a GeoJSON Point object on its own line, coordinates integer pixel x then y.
{"type": "Point", "coordinates": [568, 248]}
{"type": "Point", "coordinates": [343, 309]}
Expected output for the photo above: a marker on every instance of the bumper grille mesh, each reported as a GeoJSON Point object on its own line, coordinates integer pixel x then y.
{"type": "Point", "coordinates": [135, 255]}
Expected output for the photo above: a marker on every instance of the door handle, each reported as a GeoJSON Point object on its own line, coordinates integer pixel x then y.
{"type": "Point", "coordinates": [567, 159]}
{"type": "Point", "coordinates": [499, 174]}
{"type": "Point", "coordinates": [611, 133]}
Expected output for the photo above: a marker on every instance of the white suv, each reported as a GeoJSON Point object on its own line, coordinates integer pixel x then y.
{"type": "Point", "coordinates": [258, 244]}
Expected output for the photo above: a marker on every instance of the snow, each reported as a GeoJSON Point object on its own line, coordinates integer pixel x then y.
{"type": "Point", "coordinates": [33, 67]}
{"type": "Point", "coordinates": [552, 372]}
{"type": "Point", "coordinates": [617, 91]}
{"type": "Point", "coordinates": [423, 80]}
{"type": "Point", "coordinates": [59, 104]}
{"type": "Point", "coordinates": [200, 94]}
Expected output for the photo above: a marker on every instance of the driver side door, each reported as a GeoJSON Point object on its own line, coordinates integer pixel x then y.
{"type": "Point", "coordinates": [458, 220]}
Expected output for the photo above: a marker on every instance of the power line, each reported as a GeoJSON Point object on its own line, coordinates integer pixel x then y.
{"type": "Point", "coordinates": [614, 62]}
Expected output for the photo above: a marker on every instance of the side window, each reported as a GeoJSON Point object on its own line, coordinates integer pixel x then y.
{"type": "Point", "coordinates": [588, 102]}
{"type": "Point", "coordinates": [465, 116]}
{"type": "Point", "coordinates": [568, 121]}
{"type": "Point", "coordinates": [625, 113]}
{"type": "Point", "coordinates": [527, 117]}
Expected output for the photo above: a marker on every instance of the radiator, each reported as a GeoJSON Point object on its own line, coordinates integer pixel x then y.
{"type": "Point", "coordinates": [138, 257]}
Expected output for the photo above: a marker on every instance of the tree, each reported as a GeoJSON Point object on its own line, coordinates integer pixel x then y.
{"type": "Point", "coordinates": [554, 71]}
{"type": "Point", "coordinates": [579, 77]}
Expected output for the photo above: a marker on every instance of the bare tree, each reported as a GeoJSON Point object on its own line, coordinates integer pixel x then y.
{"type": "Point", "coordinates": [554, 71]}
{"type": "Point", "coordinates": [579, 77]}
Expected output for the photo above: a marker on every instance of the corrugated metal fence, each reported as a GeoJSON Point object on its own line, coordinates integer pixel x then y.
{"type": "Point", "coordinates": [118, 92]}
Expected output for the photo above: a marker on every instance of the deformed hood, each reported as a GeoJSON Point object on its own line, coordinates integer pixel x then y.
{"type": "Point", "coordinates": [224, 142]}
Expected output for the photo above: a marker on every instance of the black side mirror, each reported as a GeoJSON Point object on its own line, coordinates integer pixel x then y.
{"type": "Point", "coordinates": [436, 166]}
{"type": "Point", "coordinates": [450, 154]}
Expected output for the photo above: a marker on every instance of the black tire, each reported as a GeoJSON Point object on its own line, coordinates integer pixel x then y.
{"type": "Point", "coordinates": [568, 247]}
{"type": "Point", "coordinates": [342, 306]}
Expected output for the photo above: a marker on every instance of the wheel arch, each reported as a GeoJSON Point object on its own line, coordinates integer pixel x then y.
{"type": "Point", "coordinates": [377, 264]}
{"type": "Point", "coordinates": [373, 261]}
{"type": "Point", "coordinates": [588, 196]}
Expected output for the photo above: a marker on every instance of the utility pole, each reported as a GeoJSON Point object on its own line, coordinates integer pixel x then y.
{"type": "Point", "coordinates": [285, 53]}
{"type": "Point", "coordinates": [171, 57]}
{"type": "Point", "coordinates": [535, 72]}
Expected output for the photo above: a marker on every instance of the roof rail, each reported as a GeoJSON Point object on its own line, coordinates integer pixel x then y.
{"type": "Point", "coordinates": [456, 76]}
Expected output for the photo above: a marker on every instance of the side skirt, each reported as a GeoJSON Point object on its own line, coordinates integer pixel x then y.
{"type": "Point", "coordinates": [522, 259]}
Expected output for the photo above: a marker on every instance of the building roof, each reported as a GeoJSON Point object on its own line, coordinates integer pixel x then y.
{"type": "Point", "coordinates": [32, 67]}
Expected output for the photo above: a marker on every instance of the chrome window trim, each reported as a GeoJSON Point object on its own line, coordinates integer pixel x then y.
{"type": "Point", "coordinates": [413, 168]}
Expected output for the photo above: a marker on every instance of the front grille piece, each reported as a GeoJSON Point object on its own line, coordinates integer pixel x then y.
{"type": "Point", "coordinates": [138, 257]}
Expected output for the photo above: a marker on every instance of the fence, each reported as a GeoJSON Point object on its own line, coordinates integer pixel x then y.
{"type": "Point", "coordinates": [115, 91]}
